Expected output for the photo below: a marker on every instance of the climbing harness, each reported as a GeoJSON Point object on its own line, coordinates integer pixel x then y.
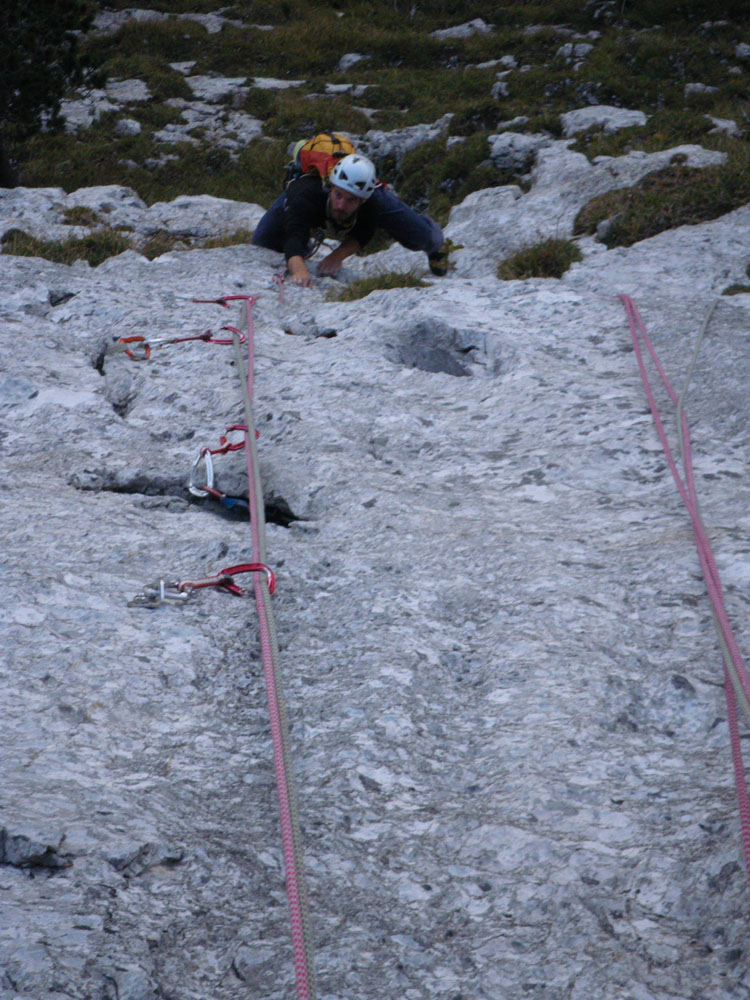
{"type": "Point", "coordinates": [736, 677]}
{"type": "Point", "coordinates": [138, 348]}
{"type": "Point", "coordinates": [179, 591]}
{"type": "Point", "coordinates": [264, 584]}
{"type": "Point", "coordinates": [315, 243]}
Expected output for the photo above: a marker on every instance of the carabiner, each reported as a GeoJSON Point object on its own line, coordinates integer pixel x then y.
{"type": "Point", "coordinates": [204, 455]}
{"type": "Point", "coordinates": [231, 571]}
{"type": "Point", "coordinates": [228, 340]}
{"type": "Point", "coordinates": [143, 344]}
{"type": "Point", "coordinates": [158, 593]}
{"type": "Point", "coordinates": [225, 445]}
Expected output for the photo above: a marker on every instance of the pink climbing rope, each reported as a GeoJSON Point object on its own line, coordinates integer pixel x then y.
{"type": "Point", "coordinates": [736, 677]}
{"type": "Point", "coordinates": [290, 832]}
{"type": "Point", "coordinates": [290, 835]}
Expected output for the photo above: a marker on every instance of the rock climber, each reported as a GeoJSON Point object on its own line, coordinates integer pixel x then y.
{"type": "Point", "coordinates": [348, 207]}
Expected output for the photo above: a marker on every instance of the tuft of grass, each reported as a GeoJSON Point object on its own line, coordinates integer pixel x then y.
{"type": "Point", "coordinates": [378, 282]}
{"type": "Point", "coordinates": [106, 242]}
{"type": "Point", "coordinates": [236, 238]}
{"type": "Point", "coordinates": [665, 199]}
{"type": "Point", "coordinates": [549, 259]}
{"type": "Point", "coordinates": [95, 248]}
{"type": "Point", "coordinates": [159, 243]}
{"type": "Point", "coordinates": [80, 215]}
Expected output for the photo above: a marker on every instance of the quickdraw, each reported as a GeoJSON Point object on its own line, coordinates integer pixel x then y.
{"type": "Point", "coordinates": [163, 591]}
{"type": "Point", "coordinates": [204, 456]}
{"type": "Point", "coordinates": [141, 346]}
{"type": "Point", "coordinates": [180, 591]}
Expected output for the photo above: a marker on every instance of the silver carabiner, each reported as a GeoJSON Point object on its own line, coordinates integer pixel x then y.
{"type": "Point", "coordinates": [203, 456]}
{"type": "Point", "coordinates": [158, 593]}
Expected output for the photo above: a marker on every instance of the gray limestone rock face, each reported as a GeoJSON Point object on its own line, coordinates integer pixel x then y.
{"type": "Point", "coordinates": [377, 144]}
{"type": "Point", "coordinates": [349, 60]}
{"type": "Point", "coordinates": [84, 111]}
{"type": "Point", "coordinates": [214, 88]}
{"type": "Point", "coordinates": [127, 91]}
{"type": "Point", "coordinates": [127, 127]}
{"type": "Point", "coordinates": [508, 729]}
{"type": "Point", "coordinates": [475, 27]}
{"type": "Point", "coordinates": [603, 116]}
{"type": "Point", "coordinates": [515, 150]}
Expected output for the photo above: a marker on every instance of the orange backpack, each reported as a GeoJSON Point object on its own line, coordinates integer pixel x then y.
{"type": "Point", "coordinates": [320, 154]}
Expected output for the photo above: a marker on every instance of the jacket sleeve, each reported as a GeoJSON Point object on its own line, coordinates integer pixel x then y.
{"type": "Point", "coordinates": [304, 211]}
{"type": "Point", "coordinates": [366, 224]}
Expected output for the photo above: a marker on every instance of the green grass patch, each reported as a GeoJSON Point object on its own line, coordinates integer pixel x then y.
{"type": "Point", "coordinates": [549, 259]}
{"type": "Point", "coordinates": [95, 248]}
{"type": "Point", "coordinates": [293, 113]}
{"type": "Point", "coordinates": [236, 238]}
{"type": "Point", "coordinates": [169, 6]}
{"type": "Point", "coordinates": [383, 281]}
{"type": "Point", "coordinates": [157, 171]}
{"type": "Point", "coordinates": [147, 43]}
{"type": "Point", "coordinates": [434, 177]}
{"type": "Point", "coordinates": [105, 242]}
{"type": "Point", "coordinates": [665, 199]}
{"type": "Point", "coordinates": [662, 130]}
{"type": "Point", "coordinates": [81, 215]}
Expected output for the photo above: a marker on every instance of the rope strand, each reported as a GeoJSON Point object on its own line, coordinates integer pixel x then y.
{"type": "Point", "coordinates": [286, 791]}
{"type": "Point", "coordinates": [736, 678]}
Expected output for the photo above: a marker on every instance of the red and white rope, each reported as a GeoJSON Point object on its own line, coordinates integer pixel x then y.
{"type": "Point", "coordinates": [285, 786]}
{"type": "Point", "coordinates": [736, 677]}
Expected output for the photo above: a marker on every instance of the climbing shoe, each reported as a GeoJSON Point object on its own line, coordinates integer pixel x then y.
{"type": "Point", "coordinates": [438, 259]}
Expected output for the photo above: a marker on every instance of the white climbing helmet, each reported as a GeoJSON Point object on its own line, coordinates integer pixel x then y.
{"type": "Point", "coordinates": [355, 174]}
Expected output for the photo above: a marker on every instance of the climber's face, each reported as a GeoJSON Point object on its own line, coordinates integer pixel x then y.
{"type": "Point", "coordinates": [343, 204]}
